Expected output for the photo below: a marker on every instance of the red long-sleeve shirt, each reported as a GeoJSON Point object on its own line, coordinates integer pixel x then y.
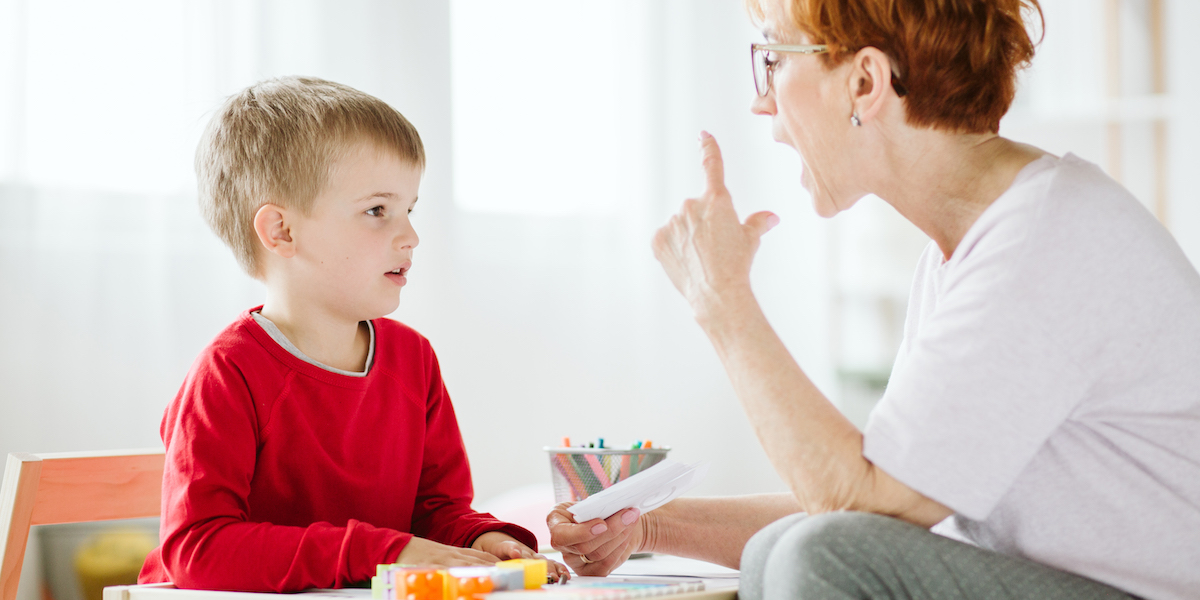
{"type": "Point", "coordinates": [282, 476]}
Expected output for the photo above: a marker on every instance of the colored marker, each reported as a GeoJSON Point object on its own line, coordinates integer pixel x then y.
{"type": "Point", "coordinates": [584, 473]}
{"type": "Point", "coordinates": [612, 466]}
{"type": "Point", "coordinates": [601, 476]}
{"type": "Point", "coordinates": [564, 466]}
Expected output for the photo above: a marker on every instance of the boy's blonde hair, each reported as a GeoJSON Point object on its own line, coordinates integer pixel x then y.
{"type": "Point", "coordinates": [275, 143]}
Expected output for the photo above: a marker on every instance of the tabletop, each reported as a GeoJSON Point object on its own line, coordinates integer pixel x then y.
{"type": "Point", "coordinates": [720, 583]}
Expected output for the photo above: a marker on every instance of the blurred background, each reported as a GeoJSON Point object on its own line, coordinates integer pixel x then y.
{"type": "Point", "coordinates": [560, 135]}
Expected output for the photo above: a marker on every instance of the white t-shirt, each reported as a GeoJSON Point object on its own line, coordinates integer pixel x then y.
{"type": "Point", "coordinates": [1048, 385]}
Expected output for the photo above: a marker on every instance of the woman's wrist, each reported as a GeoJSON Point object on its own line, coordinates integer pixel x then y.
{"type": "Point", "coordinates": [661, 529]}
{"type": "Point", "coordinates": [649, 524]}
{"type": "Point", "coordinates": [723, 304]}
{"type": "Point", "coordinates": [725, 315]}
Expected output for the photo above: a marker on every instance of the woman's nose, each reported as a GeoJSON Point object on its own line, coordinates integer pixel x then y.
{"type": "Point", "coordinates": [763, 105]}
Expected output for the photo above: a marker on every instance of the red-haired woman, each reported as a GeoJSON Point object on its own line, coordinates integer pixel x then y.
{"type": "Point", "coordinates": [1044, 409]}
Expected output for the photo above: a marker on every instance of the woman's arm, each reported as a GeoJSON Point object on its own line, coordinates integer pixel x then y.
{"type": "Point", "coordinates": [707, 253]}
{"type": "Point", "coordinates": [711, 529]}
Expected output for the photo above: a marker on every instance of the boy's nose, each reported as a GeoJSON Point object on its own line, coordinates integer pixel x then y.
{"type": "Point", "coordinates": [407, 238]}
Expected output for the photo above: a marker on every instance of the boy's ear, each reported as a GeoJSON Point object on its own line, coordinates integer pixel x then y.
{"type": "Point", "coordinates": [274, 231]}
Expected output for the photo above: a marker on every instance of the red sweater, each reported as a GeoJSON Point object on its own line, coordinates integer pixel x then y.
{"type": "Point", "coordinates": [282, 476]}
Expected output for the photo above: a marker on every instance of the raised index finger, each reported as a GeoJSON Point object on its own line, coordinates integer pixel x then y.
{"type": "Point", "coordinates": [713, 164]}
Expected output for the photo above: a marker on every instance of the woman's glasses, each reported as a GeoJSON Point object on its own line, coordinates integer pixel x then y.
{"type": "Point", "coordinates": [764, 64]}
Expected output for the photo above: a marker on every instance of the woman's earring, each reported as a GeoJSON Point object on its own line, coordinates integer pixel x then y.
{"type": "Point", "coordinates": [854, 120]}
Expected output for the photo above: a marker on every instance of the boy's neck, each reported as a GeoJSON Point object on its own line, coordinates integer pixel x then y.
{"type": "Point", "coordinates": [326, 338]}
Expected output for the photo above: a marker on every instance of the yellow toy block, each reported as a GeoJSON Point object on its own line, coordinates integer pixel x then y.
{"type": "Point", "coordinates": [535, 570]}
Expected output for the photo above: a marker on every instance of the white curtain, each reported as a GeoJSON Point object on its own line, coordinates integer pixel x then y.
{"type": "Point", "coordinates": [549, 314]}
{"type": "Point", "coordinates": [560, 135]}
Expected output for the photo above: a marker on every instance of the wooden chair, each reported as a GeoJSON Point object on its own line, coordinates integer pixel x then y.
{"type": "Point", "coordinates": [46, 489]}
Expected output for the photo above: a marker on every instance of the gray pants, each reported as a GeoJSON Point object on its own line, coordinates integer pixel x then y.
{"type": "Point", "coordinates": [860, 555]}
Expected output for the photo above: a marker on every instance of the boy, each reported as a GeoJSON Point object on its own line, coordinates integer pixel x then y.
{"type": "Point", "coordinates": [313, 439]}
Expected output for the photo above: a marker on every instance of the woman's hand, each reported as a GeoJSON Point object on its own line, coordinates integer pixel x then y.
{"type": "Point", "coordinates": [598, 546]}
{"type": "Point", "coordinates": [505, 547]}
{"type": "Point", "coordinates": [705, 249]}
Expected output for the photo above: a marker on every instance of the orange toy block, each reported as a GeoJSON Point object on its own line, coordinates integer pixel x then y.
{"type": "Point", "coordinates": [418, 584]}
{"type": "Point", "coordinates": [466, 583]}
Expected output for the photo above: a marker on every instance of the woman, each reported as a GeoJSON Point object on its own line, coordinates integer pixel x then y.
{"type": "Point", "coordinates": [1045, 403]}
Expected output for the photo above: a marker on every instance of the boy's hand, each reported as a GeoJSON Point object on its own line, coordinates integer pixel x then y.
{"type": "Point", "coordinates": [421, 551]}
{"type": "Point", "coordinates": [505, 547]}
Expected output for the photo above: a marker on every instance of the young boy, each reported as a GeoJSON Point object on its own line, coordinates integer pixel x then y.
{"type": "Point", "coordinates": [313, 439]}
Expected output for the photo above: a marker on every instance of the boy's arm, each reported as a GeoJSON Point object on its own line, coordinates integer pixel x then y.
{"type": "Point", "coordinates": [211, 435]}
{"type": "Point", "coordinates": [443, 503]}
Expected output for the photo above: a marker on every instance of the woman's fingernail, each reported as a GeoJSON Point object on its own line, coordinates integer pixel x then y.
{"type": "Point", "coordinates": [629, 516]}
{"type": "Point", "coordinates": [599, 529]}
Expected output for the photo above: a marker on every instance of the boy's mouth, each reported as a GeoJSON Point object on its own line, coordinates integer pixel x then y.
{"type": "Point", "coordinates": [397, 275]}
{"type": "Point", "coordinates": [402, 269]}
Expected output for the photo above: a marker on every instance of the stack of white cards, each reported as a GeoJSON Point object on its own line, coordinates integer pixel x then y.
{"type": "Point", "coordinates": [645, 491]}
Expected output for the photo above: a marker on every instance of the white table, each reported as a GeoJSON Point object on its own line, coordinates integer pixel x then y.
{"type": "Point", "coordinates": [720, 584]}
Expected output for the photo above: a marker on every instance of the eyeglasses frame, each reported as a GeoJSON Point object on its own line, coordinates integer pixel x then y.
{"type": "Point", "coordinates": [798, 49]}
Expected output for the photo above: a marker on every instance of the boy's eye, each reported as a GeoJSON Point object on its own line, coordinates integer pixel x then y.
{"type": "Point", "coordinates": [410, 209]}
{"type": "Point", "coordinates": [376, 211]}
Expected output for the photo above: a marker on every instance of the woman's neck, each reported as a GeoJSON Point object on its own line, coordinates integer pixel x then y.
{"type": "Point", "coordinates": [942, 182]}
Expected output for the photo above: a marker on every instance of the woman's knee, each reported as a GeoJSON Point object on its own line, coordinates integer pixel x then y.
{"type": "Point", "coordinates": [819, 535]}
{"type": "Point", "coordinates": [754, 556]}
{"type": "Point", "coordinates": [823, 555]}
{"type": "Point", "coordinates": [760, 544]}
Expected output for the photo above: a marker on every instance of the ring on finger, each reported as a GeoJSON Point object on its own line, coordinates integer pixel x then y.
{"type": "Point", "coordinates": [585, 559]}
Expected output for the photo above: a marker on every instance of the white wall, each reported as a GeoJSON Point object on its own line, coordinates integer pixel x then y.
{"type": "Point", "coordinates": [546, 324]}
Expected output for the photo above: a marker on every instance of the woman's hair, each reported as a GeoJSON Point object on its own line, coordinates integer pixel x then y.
{"type": "Point", "coordinates": [957, 59]}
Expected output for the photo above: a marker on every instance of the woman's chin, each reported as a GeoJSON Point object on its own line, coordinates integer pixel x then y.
{"type": "Point", "coordinates": [824, 206]}
{"type": "Point", "coordinates": [825, 210]}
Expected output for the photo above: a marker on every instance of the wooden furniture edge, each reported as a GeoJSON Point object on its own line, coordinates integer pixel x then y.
{"type": "Point", "coordinates": [21, 471]}
{"type": "Point", "coordinates": [116, 484]}
{"type": "Point", "coordinates": [28, 477]}
{"type": "Point", "coordinates": [99, 453]}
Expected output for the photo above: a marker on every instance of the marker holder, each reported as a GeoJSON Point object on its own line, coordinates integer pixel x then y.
{"type": "Point", "coordinates": [580, 472]}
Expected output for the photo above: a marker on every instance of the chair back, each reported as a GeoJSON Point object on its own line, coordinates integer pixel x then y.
{"type": "Point", "coordinates": [71, 487]}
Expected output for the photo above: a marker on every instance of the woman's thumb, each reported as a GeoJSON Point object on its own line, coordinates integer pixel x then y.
{"type": "Point", "coordinates": [762, 222]}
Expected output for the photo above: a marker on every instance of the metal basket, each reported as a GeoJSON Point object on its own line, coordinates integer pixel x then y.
{"type": "Point", "coordinates": [580, 472]}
